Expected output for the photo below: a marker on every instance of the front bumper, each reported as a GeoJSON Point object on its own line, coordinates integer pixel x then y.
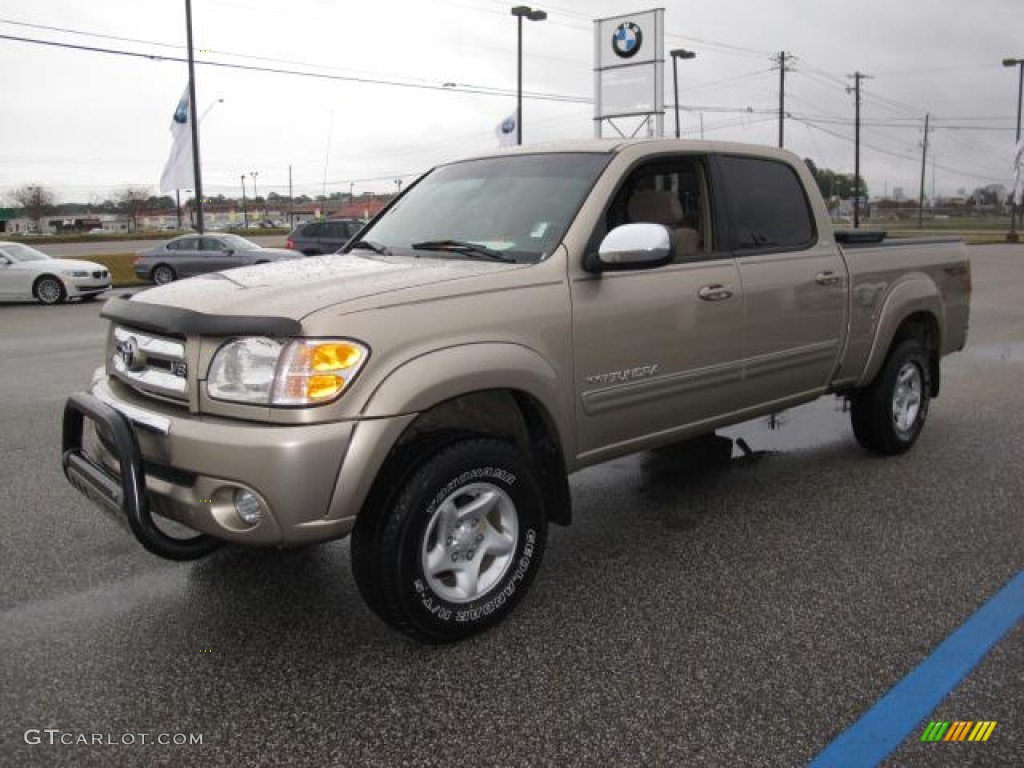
{"type": "Point", "coordinates": [77, 287]}
{"type": "Point", "coordinates": [187, 468]}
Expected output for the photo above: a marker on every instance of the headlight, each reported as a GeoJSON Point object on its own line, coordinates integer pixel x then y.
{"type": "Point", "coordinates": [75, 273]}
{"type": "Point", "coordinates": [265, 371]}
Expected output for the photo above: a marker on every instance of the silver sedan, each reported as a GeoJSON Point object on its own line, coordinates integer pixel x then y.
{"type": "Point", "coordinates": [190, 255]}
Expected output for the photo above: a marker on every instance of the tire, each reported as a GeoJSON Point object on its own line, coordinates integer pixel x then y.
{"type": "Point", "coordinates": [163, 274]}
{"type": "Point", "coordinates": [452, 551]}
{"type": "Point", "coordinates": [889, 415]}
{"type": "Point", "coordinates": [48, 290]}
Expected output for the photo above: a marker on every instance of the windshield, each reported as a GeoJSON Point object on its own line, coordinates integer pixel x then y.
{"type": "Point", "coordinates": [240, 243]}
{"type": "Point", "coordinates": [518, 206]}
{"type": "Point", "coordinates": [19, 252]}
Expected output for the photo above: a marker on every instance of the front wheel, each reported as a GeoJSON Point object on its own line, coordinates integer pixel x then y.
{"type": "Point", "coordinates": [456, 546]}
{"type": "Point", "coordinates": [889, 415]}
{"type": "Point", "coordinates": [49, 290]}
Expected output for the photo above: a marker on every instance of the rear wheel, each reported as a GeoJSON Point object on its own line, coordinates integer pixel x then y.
{"type": "Point", "coordinates": [456, 546]}
{"type": "Point", "coordinates": [163, 274]}
{"type": "Point", "coordinates": [889, 415]}
{"type": "Point", "coordinates": [49, 290]}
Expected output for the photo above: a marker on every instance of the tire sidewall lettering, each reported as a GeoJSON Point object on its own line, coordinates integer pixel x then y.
{"type": "Point", "coordinates": [444, 612]}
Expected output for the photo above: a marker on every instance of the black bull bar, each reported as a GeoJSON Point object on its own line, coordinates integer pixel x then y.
{"type": "Point", "coordinates": [122, 497]}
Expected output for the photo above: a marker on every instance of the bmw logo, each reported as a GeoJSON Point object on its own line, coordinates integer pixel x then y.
{"type": "Point", "coordinates": [627, 39]}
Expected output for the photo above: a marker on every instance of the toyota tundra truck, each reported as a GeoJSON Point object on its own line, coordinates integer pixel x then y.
{"type": "Point", "coordinates": [506, 321]}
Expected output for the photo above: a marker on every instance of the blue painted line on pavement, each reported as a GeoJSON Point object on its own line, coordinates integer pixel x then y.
{"type": "Point", "coordinates": [884, 727]}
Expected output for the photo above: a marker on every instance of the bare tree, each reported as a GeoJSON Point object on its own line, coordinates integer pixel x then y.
{"type": "Point", "coordinates": [133, 201]}
{"type": "Point", "coordinates": [36, 199]}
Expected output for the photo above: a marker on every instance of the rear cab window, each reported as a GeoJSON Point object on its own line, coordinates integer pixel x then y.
{"type": "Point", "coordinates": [767, 206]}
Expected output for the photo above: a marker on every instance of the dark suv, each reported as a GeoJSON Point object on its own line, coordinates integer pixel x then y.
{"type": "Point", "coordinates": [322, 236]}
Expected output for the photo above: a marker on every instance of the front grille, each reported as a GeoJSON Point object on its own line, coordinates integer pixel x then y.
{"type": "Point", "coordinates": [151, 364]}
{"type": "Point", "coordinates": [99, 273]}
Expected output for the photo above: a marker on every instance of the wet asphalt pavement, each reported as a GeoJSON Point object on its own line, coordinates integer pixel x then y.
{"type": "Point", "coordinates": [700, 611]}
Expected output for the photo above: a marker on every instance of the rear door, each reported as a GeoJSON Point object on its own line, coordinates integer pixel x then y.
{"type": "Point", "coordinates": [657, 351]}
{"type": "Point", "coordinates": [311, 234]}
{"type": "Point", "coordinates": [184, 256]}
{"type": "Point", "coordinates": [794, 283]}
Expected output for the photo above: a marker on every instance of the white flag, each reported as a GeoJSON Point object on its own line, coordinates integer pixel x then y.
{"type": "Point", "coordinates": [178, 173]}
{"type": "Point", "coordinates": [1018, 172]}
{"type": "Point", "coordinates": [506, 131]}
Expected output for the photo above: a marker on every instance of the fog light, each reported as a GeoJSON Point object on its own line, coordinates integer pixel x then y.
{"type": "Point", "coordinates": [248, 506]}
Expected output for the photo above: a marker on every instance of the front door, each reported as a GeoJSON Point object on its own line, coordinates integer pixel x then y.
{"type": "Point", "coordinates": [658, 352]}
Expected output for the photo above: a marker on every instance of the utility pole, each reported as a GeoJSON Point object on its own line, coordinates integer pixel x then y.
{"type": "Point", "coordinates": [924, 160]}
{"type": "Point", "coordinates": [291, 201]}
{"type": "Point", "coordinates": [857, 77]}
{"type": "Point", "coordinates": [192, 119]}
{"type": "Point", "coordinates": [1012, 236]}
{"type": "Point", "coordinates": [782, 94]}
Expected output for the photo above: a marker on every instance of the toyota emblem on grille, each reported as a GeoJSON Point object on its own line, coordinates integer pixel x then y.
{"type": "Point", "coordinates": [128, 352]}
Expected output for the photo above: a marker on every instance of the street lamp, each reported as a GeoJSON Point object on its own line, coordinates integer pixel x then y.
{"type": "Point", "coordinates": [207, 110]}
{"type": "Point", "coordinates": [533, 14]}
{"type": "Point", "coordinates": [1019, 63]}
{"type": "Point", "coordinates": [255, 195]}
{"type": "Point", "coordinates": [679, 53]}
{"type": "Point", "coordinates": [245, 213]}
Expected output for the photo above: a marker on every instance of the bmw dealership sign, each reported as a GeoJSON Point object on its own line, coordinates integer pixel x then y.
{"type": "Point", "coordinates": [629, 64]}
{"type": "Point", "coordinates": [627, 39]}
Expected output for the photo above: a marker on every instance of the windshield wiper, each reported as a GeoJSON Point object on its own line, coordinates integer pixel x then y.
{"type": "Point", "coordinates": [463, 247]}
{"type": "Point", "coordinates": [369, 245]}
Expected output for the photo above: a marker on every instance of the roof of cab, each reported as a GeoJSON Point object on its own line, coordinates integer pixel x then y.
{"type": "Point", "coordinates": [651, 145]}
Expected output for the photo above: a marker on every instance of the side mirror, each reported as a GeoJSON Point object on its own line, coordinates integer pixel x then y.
{"type": "Point", "coordinates": [632, 246]}
{"type": "Point", "coordinates": [229, 251]}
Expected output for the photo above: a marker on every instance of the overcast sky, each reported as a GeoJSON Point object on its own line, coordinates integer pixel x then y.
{"type": "Point", "coordinates": [87, 123]}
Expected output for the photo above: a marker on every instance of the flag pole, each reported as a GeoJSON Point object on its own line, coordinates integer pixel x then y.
{"type": "Point", "coordinates": [192, 119]}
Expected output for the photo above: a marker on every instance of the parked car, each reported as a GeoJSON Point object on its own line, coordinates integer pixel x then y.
{"type": "Point", "coordinates": [26, 274]}
{"type": "Point", "coordinates": [328, 236]}
{"type": "Point", "coordinates": [190, 255]}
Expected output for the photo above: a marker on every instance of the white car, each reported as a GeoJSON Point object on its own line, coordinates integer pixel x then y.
{"type": "Point", "coordinates": [26, 273]}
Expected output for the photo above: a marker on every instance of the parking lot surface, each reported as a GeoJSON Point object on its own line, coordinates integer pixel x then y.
{"type": "Point", "coordinates": [738, 610]}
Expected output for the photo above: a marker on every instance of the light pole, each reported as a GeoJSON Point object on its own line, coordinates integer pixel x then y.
{"type": "Point", "coordinates": [677, 54]}
{"type": "Point", "coordinates": [1012, 236]}
{"type": "Point", "coordinates": [256, 205]}
{"type": "Point", "coordinates": [533, 14]}
{"type": "Point", "coordinates": [245, 213]}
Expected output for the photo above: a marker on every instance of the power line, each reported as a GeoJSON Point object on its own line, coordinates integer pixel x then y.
{"type": "Point", "coordinates": [453, 87]}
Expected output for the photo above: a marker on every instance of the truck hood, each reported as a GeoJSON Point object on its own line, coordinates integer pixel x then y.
{"type": "Point", "coordinates": [297, 288]}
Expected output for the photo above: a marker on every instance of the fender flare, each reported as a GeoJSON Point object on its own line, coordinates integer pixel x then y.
{"type": "Point", "coordinates": [914, 294]}
{"type": "Point", "coordinates": [423, 382]}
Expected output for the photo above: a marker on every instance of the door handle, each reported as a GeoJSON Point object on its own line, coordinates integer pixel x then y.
{"type": "Point", "coordinates": [715, 292]}
{"type": "Point", "coordinates": [827, 278]}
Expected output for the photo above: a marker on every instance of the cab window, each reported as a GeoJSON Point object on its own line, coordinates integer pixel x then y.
{"type": "Point", "coordinates": [768, 208]}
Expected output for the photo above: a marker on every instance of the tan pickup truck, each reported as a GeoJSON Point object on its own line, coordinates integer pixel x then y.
{"type": "Point", "coordinates": [508, 320]}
